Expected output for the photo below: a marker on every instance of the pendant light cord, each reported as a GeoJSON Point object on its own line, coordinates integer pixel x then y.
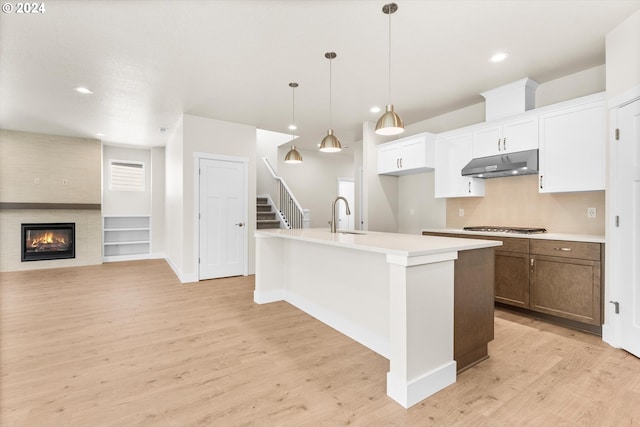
{"type": "Point", "coordinates": [293, 113]}
{"type": "Point", "coordinates": [330, 99]}
{"type": "Point", "coordinates": [389, 54]}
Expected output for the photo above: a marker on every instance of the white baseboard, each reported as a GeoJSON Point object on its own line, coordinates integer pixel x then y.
{"type": "Point", "coordinates": [409, 393]}
{"type": "Point", "coordinates": [184, 278]}
{"type": "Point", "coordinates": [265, 297]}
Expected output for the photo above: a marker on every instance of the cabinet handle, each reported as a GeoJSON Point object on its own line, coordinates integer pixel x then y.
{"type": "Point", "coordinates": [540, 181]}
{"type": "Point", "coordinates": [469, 187]}
{"type": "Point", "coordinates": [562, 249]}
{"type": "Point", "coordinates": [504, 143]}
{"type": "Point", "coordinates": [400, 162]}
{"type": "Point", "coordinates": [532, 261]}
{"type": "Point", "coordinates": [533, 266]}
{"type": "Point", "coordinates": [498, 144]}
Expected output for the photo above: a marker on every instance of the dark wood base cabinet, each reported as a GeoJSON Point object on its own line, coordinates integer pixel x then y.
{"type": "Point", "coordinates": [561, 279]}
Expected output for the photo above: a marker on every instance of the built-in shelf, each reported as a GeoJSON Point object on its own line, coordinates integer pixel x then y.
{"type": "Point", "coordinates": [126, 237]}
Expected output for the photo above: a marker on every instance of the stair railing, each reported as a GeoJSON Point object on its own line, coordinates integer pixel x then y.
{"type": "Point", "coordinates": [287, 205]}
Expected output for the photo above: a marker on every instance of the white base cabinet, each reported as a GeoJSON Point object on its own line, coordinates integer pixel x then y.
{"type": "Point", "coordinates": [453, 152]}
{"type": "Point", "coordinates": [572, 146]}
{"type": "Point", "coordinates": [405, 156]}
{"type": "Point", "coordinates": [126, 238]}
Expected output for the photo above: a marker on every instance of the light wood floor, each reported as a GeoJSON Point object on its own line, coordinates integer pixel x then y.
{"type": "Point", "coordinates": [125, 344]}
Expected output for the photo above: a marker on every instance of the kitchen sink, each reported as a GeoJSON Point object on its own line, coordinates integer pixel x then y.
{"type": "Point", "coordinates": [352, 232]}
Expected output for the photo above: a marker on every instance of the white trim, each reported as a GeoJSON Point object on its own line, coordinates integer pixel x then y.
{"type": "Point", "coordinates": [221, 157]}
{"type": "Point", "coordinates": [625, 97]}
{"type": "Point", "coordinates": [197, 156]}
{"type": "Point", "coordinates": [183, 278]}
{"type": "Point", "coordinates": [265, 297]}
{"type": "Point", "coordinates": [408, 393]}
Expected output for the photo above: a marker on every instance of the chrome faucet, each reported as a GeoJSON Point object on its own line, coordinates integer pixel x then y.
{"type": "Point", "coordinates": [333, 212]}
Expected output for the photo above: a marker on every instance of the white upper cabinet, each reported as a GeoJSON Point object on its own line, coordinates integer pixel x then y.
{"type": "Point", "coordinates": [408, 155]}
{"type": "Point", "coordinates": [572, 146]}
{"type": "Point", "coordinates": [453, 151]}
{"type": "Point", "coordinates": [506, 137]}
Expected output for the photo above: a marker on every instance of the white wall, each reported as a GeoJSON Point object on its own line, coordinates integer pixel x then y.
{"type": "Point", "coordinates": [157, 201]}
{"type": "Point", "coordinates": [267, 143]}
{"type": "Point", "coordinates": [126, 202]}
{"type": "Point", "coordinates": [623, 57]}
{"type": "Point", "coordinates": [380, 210]}
{"type": "Point", "coordinates": [174, 211]}
{"type": "Point", "coordinates": [204, 135]}
{"type": "Point", "coordinates": [314, 181]}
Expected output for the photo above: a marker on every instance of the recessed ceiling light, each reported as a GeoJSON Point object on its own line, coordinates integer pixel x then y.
{"type": "Point", "coordinates": [293, 127]}
{"type": "Point", "coordinates": [100, 135]}
{"type": "Point", "coordinates": [83, 90]}
{"type": "Point", "coordinates": [498, 57]}
{"type": "Point", "coordinates": [375, 109]}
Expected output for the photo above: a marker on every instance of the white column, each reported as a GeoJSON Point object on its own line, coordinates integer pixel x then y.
{"type": "Point", "coordinates": [270, 266]}
{"type": "Point", "coordinates": [421, 326]}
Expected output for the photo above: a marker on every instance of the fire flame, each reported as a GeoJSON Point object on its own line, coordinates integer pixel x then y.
{"type": "Point", "coordinates": [47, 239]}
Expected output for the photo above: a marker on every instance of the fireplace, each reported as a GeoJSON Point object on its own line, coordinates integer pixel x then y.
{"type": "Point", "coordinates": [48, 241]}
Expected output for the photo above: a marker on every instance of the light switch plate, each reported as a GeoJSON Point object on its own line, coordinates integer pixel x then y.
{"type": "Point", "coordinates": [460, 212]}
{"type": "Point", "coordinates": [591, 213]}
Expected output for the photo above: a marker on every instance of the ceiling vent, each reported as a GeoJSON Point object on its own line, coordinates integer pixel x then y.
{"type": "Point", "coordinates": [510, 99]}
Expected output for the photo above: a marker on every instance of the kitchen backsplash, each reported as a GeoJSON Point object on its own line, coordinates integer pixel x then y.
{"type": "Point", "coordinates": [515, 201]}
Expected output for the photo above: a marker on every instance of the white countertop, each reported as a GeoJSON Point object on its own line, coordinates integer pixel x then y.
{"type": "Point", "coordinates": [407, 245]}
{"type": "Point", "coordinates": [543, 236]}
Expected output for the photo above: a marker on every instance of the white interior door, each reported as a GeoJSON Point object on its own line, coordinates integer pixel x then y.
{"type": "Point", "coordinates": [346, 189]}
{"type": "Point", "coordinates": [628, 231]}
{"type": "Point", "coordinates": [223, 217]}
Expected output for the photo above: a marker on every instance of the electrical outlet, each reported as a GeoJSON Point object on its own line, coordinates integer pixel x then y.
{"type": "Point", "coordinates": [460, 212]}
{"type": "Point", "coordinates": [591, 213]}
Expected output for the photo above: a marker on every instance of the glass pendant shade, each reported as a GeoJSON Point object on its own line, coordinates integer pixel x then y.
{"type": "Point", "coordinates": [330, 144]}
{"type": "Point", "coordinates": [293, 156]}
{"type": "Point", "coordinates": [389, 123]}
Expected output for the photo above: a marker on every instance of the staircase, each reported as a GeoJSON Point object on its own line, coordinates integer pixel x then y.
{"type": "Point", "coordinates": [266, 216]}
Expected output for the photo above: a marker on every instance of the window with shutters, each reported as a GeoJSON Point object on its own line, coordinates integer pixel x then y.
{"type": "Point", "coordinates": [126, 176]}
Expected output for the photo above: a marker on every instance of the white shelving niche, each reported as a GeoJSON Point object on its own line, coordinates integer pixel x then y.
{"type": "Point", "coordinates": [126, 238]}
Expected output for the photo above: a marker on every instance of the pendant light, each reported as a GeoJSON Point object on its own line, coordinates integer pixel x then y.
{"type": "Point", "coordinates": [293, 156]}
{"type": "Point", "coordinates": [330, 144]}
{"type": "Point", "coordinates": [389, 123]}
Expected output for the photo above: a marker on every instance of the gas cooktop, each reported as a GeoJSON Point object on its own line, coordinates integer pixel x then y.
{"type": "Point", "coordinates": [499, 229]}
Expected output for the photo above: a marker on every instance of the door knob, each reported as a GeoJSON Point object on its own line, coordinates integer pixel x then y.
{"type": "Point", "coordinates": [240, 224]}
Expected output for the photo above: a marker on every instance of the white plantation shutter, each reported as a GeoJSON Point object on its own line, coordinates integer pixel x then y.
{"type": "Point", "coordinates": [126, 176]}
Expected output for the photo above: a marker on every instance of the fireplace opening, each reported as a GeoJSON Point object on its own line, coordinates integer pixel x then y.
{"type": "Point", "coordinates": [48, 241]}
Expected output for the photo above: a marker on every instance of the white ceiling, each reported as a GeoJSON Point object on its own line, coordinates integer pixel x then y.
{"type": "Point", "coordinates": [148, 62]}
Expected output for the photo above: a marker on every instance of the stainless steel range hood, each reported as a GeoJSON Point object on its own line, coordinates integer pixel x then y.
{"type": "Point", "coordinates": [512, 164]}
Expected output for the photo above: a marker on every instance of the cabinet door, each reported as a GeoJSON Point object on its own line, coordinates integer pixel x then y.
{"type": "Point", "coordinates": [453, 152]}
{"type": "Point", "coordinates": [572, 149]}
{"type": "Point", "coordinates": [520, 135]}
{"type": "Point", "coordinates": [486, 141]}
{"type": "Point", "coordinates": [413, 154]}
{"type": "Point", "coordinates": [566, 287]}
{"type": "Point", "coordinates": [512, 278]}
{"type": "Point", "coordinates": [388, 159]}
{"type": "Point", "coordinates": [506, 137]}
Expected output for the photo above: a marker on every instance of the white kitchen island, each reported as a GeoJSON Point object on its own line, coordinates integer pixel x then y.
{"type": "Point", "coordinates": [393, 293]}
